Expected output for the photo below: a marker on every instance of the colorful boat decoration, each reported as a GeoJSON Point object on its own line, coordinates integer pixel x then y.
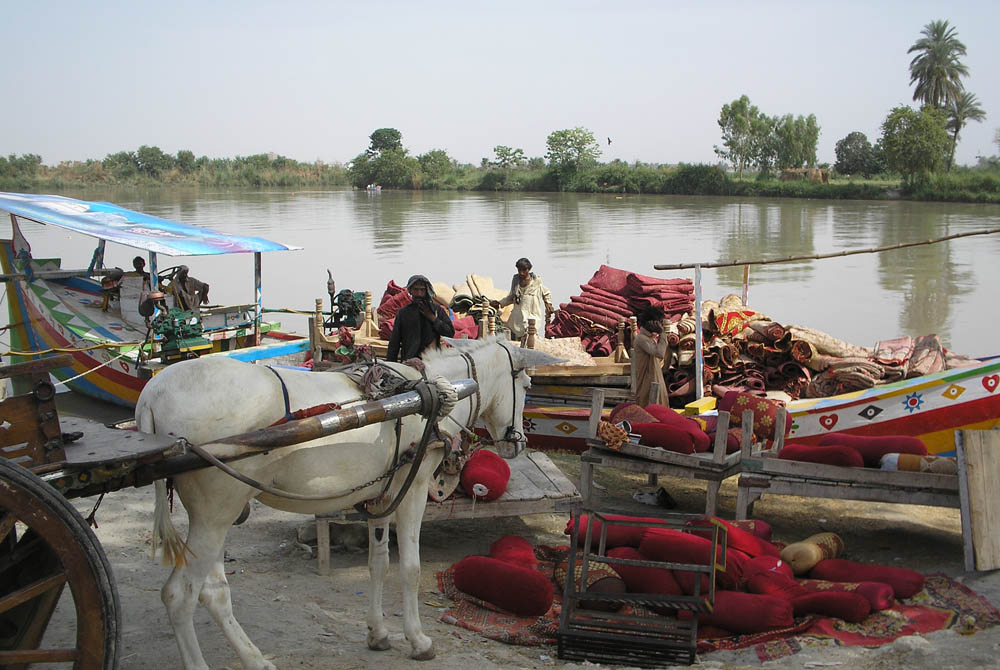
{"type": "Point", "coordinates": [56, 309]}
{"type": "Point", "coordinates": [931, 408]}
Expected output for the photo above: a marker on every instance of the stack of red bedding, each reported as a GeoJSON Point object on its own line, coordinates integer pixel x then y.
{"type": "Point", "coordinates": [394, 298]}
{"type": "Point", "coordinates": [675, 296]}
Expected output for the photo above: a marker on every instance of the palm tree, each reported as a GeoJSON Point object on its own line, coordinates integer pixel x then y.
{"type": "Point", "coordinates": [963, 107]}
{"type": "Point", "coordinates": [936, 69]}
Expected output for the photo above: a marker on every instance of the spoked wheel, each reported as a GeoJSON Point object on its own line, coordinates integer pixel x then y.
{"type": "Point", "coordinates": [46, 545]}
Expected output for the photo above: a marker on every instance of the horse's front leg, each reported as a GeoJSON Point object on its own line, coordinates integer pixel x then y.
{"type": "Point", "coordinates": [378, 562]}
{"type": "Point", "coordinates": [409, 516]}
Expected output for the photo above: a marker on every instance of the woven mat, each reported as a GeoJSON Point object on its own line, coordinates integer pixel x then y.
{"type": "Point", "coordinates": [942, 604]}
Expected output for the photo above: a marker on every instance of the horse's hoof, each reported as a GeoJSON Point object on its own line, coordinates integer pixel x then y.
{"type": "Point", "coordinates": [425, 655]}
{"type": "Point", "coordinates": [381, 644]}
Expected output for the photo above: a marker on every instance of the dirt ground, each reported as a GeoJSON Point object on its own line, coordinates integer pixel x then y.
{"type": "Point", "coordinates": [302, 620]}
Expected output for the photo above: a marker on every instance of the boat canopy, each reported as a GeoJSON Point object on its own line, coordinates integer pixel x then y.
{"type": "Point", "coordinates": [132, 229]}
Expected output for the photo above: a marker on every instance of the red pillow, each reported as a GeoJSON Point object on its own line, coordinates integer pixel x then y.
{"type": "Point", "coordinates": [737, 538]}
{"type": "Point", "coordinates": [685, 579]}
{"type": "Point", "coordinates": [485, 475]}
{"type": "Point", "coordinates": [668, 416]}
{"type": "Point", "coordinates": [514, 549]}
{"type": "Point", "coordinates": [748, 612]}
{"type": "Point", "coordinates": [665, 437]}
{"type": "Point", "coordinates": [631, 412]}
{"type": "Point", "coordinates": [872, 449]}
{"type": "Point", "coordinates": [674, 546]}
{"type": "Point", "coordinates": [766, 564]}
{"type": "Point", "coordinates": [832, 455]}
{"type": "Point", "coordinates": [764, 413]}
{"type": "Point", "coordinates": [878, 595]}
{"type": "Point", "coordinates": [639, 579]}
{"type": "Point", "coordinates": [618, 536]}
{"type": "Point", "coordinates": [850, 607]}
{"type": "Point", "coordinates": [905, 583]}
{"type": "Point", "coordinates": [513, 588]}
{"type": "Point", "coordinates": [777, 585]}
{"type": "Point", "coordinates": [756, 527]}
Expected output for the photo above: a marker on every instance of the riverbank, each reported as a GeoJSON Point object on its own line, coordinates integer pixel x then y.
{"type": "Point", "coordinates": [961, 185]}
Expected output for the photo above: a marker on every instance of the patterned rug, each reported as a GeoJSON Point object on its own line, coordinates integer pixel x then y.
{"type": "Point", "coordinates": [942, 604]}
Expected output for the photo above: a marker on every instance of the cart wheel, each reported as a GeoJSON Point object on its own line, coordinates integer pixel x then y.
{"type": "Point", "coordinates": [44, 545]}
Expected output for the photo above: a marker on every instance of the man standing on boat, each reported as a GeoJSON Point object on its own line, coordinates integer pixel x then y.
{"type": "Point", "coordinates": [530, 298]}
{"type": "Point", "coordinates": [648, 352]}
{"type": "Point", "coordinates": [419, 324]}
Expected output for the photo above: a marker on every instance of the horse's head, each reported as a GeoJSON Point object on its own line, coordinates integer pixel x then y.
{"type": "Point", "coordinates": [503, 384]}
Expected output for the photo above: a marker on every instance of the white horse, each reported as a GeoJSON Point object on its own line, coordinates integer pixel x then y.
{"type": "Point", "coordinates": [207, 399]}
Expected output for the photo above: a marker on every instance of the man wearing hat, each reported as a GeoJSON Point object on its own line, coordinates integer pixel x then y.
{"type": "Point", "coordinates": [419, 324]}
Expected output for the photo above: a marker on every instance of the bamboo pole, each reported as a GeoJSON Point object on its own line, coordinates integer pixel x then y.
{"type": "Point", "coordinates": [699, 338]}
{"type": "Point", "coordinates": [835, 254]}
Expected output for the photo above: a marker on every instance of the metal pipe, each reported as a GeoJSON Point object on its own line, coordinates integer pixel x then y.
{"type": "Point", "coordinates": [178, 459]}
{"type": "Point", "coordinates": [699, 338]}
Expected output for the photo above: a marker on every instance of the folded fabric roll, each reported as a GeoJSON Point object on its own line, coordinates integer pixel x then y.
{"type": "Point", "coordinates": [827, 344]}
{"type": "Point", "coordinates": [928, 356]}
{"type": "Point", "coordinates": [600, 303]}
{"type": "Point", "coordinates": [673, 546]}
{"type": "Point", "coordinates": [878, 595]}
{"type": "Point", "coordinates": [896, 352]}
{"type": "Point", "coordinates": [608, 320]}
{"type": "Point", "coordinates": [737, 538]}
{"type": "Point", "coordinates": [607, 295]}
{"type": "Point", "coordinates": [829, 455]}
{"type": "Point", "coordinates": [940, 465]}
{"type": "Point", "coordinates": [905, 583]}
{"type": "Point", "coordinates": [523, 591]}
{"type": "Point", "coordinates": [851, 607]}
{"type": "Point", "coordinates": [776, 584]}
{"type": "Point", "coordinates": [802, 351]}
{"type": "Point", "coordinates": [805, 555]}
{"type": "Point", "coordinates": [769, 329]}
{"type": "Point", "coordinates": [872, 449]}
{"type": "Point", "coordinates": [610, 279]}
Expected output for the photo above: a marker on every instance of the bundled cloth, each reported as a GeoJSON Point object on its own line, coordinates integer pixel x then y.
{"type": "Point", "coordinates": [843, 376]}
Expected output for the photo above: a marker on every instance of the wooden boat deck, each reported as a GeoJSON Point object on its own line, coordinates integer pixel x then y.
{"type": "Point", "coordinates": [536, 486]}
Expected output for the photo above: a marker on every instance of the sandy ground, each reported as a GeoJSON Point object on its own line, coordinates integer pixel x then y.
{"type": "Point", "coordinates": [302, 620]}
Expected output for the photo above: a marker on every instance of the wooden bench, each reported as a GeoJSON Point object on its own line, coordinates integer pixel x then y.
{"type": "Point", "coordinates": [713, 467]}
{"type": "Point", "coordinates": [536, 486]}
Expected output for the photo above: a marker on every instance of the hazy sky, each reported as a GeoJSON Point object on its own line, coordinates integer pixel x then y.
{"type": "Point", "coordinates": [311, 80]}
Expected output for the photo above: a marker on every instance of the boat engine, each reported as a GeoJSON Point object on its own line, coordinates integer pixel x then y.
{"type": "Point", "coordinates": [182, 335]}
{"type": "Point", "coordinates": [349, 310]}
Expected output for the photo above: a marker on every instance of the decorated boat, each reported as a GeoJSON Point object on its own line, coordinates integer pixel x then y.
{"type": "Point", "coordinates": [122, 327]}
{"type": "Point", "coordinates": [931, 407]}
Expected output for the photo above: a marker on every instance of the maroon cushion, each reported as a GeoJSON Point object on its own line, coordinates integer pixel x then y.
{"type": "Point", "coordinates": [905, 583]}
{"type": "Point", "coordinates": [872, 449]}
{"type": "Point", "coordinates": [878, 595]}
{"type": "Point", "coordinates": [761, 529]}
{"type": "Point", "coordinates": [640, 579]}
{"type": "Point", "coordinates": [618, 536]}
{"type": "Point", "coordinates": [669, 417]}
{"type": "Point", "coordinates": [748, 612]}
{"type": "Point", "coordinates": [850, 607]}
{"type": "Point", "coordinates": [665, 437]}
{"type": "Point", "coordinates": [686, 579]}
{"type": "Point", "coordinates": [832, 455]}
{"type": "Point", "coordinates": [737, 538]}
{"type": "Point", "coordinates": [488, 470]}
{"type": "Point", "coordinates": [674, 546]}
{"type": "Point", "coordinates": [766, 564]}
{"type": "Point", "coordinates": [631, 412]}
{"type": "Point", "coordinates": [516, 589]}
{"type": "Point", "coordinates": [514, 549]}
{"type": "Point", "coordinates": [777, 585]}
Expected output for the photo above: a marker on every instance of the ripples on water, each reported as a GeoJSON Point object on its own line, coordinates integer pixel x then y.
{"type": "Point", "coordinates": [368, 239]}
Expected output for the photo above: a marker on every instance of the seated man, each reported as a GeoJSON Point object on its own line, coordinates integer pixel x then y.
{"type": "Point", "coordinates": [139, 267]}
{"type": "Point", "coordinates": [189, 293]}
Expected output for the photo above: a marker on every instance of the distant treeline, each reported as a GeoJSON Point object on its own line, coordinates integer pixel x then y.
{"type": "Point", "coordinates": [149, 166]}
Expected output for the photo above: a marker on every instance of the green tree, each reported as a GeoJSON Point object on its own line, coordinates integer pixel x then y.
{"type": "Point", "coordinates": [384, 139]}
{"type": "Point", "coordinates": [25, 165]}
{"type": "Point", "coordinates": [435, 164]}
{"type": "Point", "coordinates": [936, 69]}
{"type": "Point", "coordinates": [152, 161]}
{"type": "Point", "coordinates": [394, 169]}
{"type": "Point", "coordinates": [507, 158]}
{"type": "Point", "coordinates": [964, 107]}
{"type": "Point", "coordinates": [855, 155]}
{"type": "Point", "coordinates": [574, 149]}
{"type": "Point", "coordinates": [746, 136]}
{"type": "Point", "coordinates": [915, 143]}
{"type": "Point", "coordinates": [185, 161]}
{"type": "Point", "coordinates": [796, 139]}
{"type": "Point", "coordinates": [121, 165]}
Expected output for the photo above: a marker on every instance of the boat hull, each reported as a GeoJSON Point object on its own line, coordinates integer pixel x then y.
{"type": "Point", "coordinates": [931, 408]}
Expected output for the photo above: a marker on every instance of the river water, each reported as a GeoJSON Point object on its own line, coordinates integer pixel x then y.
{"type": "Point", "coordinates": [367, 239]}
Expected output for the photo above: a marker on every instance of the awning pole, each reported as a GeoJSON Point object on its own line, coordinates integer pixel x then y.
{"type": "Point", "coordinates": [699, 357]}
{"type": "Point", "coordinates": [257, 307]}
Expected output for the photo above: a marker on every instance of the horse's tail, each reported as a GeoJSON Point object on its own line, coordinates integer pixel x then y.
{"type": "Point", "coordinates": [164, 532]}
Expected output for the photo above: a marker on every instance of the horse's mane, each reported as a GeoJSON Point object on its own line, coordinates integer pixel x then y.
{"type": "Point", "coordinates": [431, 356]}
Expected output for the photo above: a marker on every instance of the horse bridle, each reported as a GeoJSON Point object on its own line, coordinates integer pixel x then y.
{"type": "Point", "coordinates": [512, 436]}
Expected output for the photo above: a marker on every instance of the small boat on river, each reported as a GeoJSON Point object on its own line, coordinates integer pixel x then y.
{"type": "Point", "coordinates": [94, 313]}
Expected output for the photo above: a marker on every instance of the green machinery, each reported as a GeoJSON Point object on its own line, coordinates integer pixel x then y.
{"type": "Point", "coordinates": [182, 335]}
